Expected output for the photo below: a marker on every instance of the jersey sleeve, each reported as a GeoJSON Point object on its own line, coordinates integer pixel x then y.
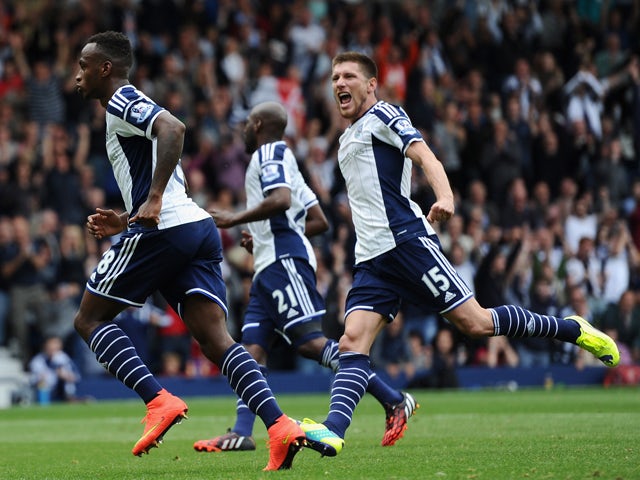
{"type": "Point", "coordinates": [273, 171]}
{"type": "Point", "coordinates": [135, 108]}
{"type": "Point", "coordinates": [395, 127]}
{"type": "Point", "coordinates": [308, 197]}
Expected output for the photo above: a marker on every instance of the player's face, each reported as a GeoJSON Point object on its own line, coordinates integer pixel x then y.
{"type": "Point", "coordinates": [353, 91]}
{"type": "Point", "coordinates": [88, 78]}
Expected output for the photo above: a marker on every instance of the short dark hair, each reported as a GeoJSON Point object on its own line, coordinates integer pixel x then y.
{"type": "Point", "coordinates": [367, 64]}
{"type": "Point", "coordinates": [115, 46]}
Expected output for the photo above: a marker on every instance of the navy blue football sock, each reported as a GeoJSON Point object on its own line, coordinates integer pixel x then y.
{"type": "Point", "coordinates": [245, 378]}
{"type": "Point", "coordinates": [245, 418]}
{"type": "Point", "coordinates": [383, 392]}
{"type": "Point", "coordinates": [349, 386]}
{"type": "Point", "coordinates": [380, 390]}
{"type": "Point", "coordinates": [116, 353]}
{"type": "Point", "coordinates": [329, 355]}
{"type": "Point", "coordinates": [514, 321]}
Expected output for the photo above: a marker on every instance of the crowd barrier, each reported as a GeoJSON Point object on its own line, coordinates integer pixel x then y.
{"type": "Point", "coordinates": [108, 388]}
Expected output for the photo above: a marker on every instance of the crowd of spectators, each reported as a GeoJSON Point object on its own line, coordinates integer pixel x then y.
{"type": "Point", "coordinates": [532, 106]}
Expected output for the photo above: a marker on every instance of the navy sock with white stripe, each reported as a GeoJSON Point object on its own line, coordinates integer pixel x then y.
{"type": "Point", "coordinates": [514, 321]}
{"type": "Point", "coordinates": [245, 378]}
{"type": "Point", "coordinates": [376, 387]}
{"type": "Point", "coordinates": [245, 418]}
{"type": "Point", "coordinates": [349, 386]}
{"type": "Point", "coordinates": [382, 391]}
{"type": "Point", "coordinates": [329, 355]}
{"type": "Point", "coordinates": [117, 354]}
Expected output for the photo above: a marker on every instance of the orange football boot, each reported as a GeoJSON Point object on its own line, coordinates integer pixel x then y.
{"type": "Point", "coordinates": [163, 412]}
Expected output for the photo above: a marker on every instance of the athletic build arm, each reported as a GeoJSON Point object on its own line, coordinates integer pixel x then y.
{"type": "Point", "coordinates": [422, 156]}
{"type": "Point", "coordinates": [278, 201]}
{"type": "Point", "coordinates": [316, 221]}
{"type": "Point", "coordinates": [170, 134]}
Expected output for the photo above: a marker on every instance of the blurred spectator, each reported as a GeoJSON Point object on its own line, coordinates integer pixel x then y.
{"type": "Point", "coordinates": [392, 352]}
{"type": "Point", "coordinates": [442, 373]}
{"type": "Point", "coordinates": [476, 205]}
{"type": "Point", "coordinates": [551, 78]}
{"type": "Point", "coordinates": [623, 317]}
{"type": "Point", "coordinates": [500, 162]}
{"type": "Point", "coordinates": [610, 171]}
{"type": "Point", "coordinates": [421, 354]}
{"type": "Point", "coordinates": [633, 213]}
{"type": "Point", "coordinates": [525, 88]}
{"type": "Point", "coordinates": [393, 85]}
{"type": "Point", "coordinates": [171, 364]}
{"type": "Point", "coordinates": [6, 237]}
{"type": "Point", "coordinates": [43, 80]}
{"type": "Point", "coordinates": [584, 270]}
{"type": "Point", "coordinates": [548, 253]}
{"type": "Point", "coordinates": [550, 165]}
{"type": "Point", "coordinates": [448, 141]}
{"type": "Point", "coordinates": [541, 205]}
{"type": "Point", "coordinates": [621, 256]}
{"type": "Point", "coordinates": [69, 282]}
{"type": "Point", "coordinates": [433, 61]}
{"type": "Point", "coordinates": [54, 376]}
{"type": "Point", "coordinates": [62, 187]}
{"type": "Point", "coordinates": [454, 233]}
{"type": "Point", "coordinates": [580, 223]}
{"type": "Point", "coordinates": [610, 57]}
{"type": "Point", "coordinates": [23, 261]}
{"type": "Point", "coordinates": [11, 82]}
{"type": "Point", "coordinates": [460, 259]}
{"type": "Point", "coordinates": [422, 104]}
{"type": "Point", "coordinates": [516, 210]}
{"type": "Point", "coordinates": [306, 37]}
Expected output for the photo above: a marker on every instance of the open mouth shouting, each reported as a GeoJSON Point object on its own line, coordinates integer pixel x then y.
{"type": "Point", "coordinates": [344, 99]}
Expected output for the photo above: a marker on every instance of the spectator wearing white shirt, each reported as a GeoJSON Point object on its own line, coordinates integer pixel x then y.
{"type": "Point", "coordinates": [580, 223]}
{"type": "Point", "coordinates": [53, 371]}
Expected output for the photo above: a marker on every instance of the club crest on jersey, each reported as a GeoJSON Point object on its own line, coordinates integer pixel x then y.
{"type": "Point", "coordinates": [141, 111]}
{"type": "Point", "coordinates": [403, 127]}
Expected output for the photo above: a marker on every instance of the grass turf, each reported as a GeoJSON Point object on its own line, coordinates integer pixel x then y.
{"type": "Point", "coordinates": [570, 433]}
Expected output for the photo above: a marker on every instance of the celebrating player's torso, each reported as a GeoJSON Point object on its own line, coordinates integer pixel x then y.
{"type": "Point", "coordinates": [378, 179]}
{"type": "Point", "coordinates": [132, 153]}
{"type": "Point", "coordinates": [273, 165]}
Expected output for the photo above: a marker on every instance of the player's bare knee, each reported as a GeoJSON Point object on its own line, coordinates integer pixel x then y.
{"type": "Point", "coordinates": [347, 343]}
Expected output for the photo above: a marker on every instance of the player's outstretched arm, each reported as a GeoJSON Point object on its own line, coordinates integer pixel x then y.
{"type": "Point", "coordinates": [278, 201]}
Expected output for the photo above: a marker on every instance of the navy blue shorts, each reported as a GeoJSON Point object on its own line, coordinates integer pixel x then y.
{"type": "Point", "coordinates": [416, 271]}
{"type": "Point", "coordinates": [178, 261]}
{"type": "Point", "coordinates": [283, 298]}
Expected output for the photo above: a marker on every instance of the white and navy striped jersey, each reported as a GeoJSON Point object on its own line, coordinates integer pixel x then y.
{"type": "Point", "coordinates": [132, 151]}
{"type": "Point", "coordinates": [273, 165]}
{"type": "Point", "coordinates": [378, 179]}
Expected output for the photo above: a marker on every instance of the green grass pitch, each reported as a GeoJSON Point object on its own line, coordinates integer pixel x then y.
{"type": "Point", "coordinates": [565, 433]}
